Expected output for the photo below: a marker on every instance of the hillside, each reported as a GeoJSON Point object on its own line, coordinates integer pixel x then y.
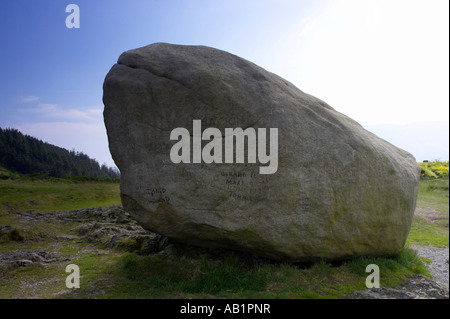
{"type": "Point", "coordinates": [434, 169]}
{"type": "Point", "coordinates": [25, 154]}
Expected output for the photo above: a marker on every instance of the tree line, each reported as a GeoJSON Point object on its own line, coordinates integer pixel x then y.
{"type": "Point", "coordinates": [28, 155]}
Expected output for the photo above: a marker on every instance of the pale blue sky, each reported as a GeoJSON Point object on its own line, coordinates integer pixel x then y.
{"type": "Point", "coordinates": [377, 61]}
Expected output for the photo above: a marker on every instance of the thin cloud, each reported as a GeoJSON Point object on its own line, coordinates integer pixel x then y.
{"type": "Point", "coordinates": [95, 112]}
{"type": "Point", "coordinates": [45, 108]}
{"type": "Point", "coordinates": [28, 99]}
{"type": "Point", "coordinates": [56, 112]}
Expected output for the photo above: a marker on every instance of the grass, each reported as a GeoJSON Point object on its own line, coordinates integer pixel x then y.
{"type": "Point", "coordinates": [113, 274]}
{"type": "Point", "coordinates": [433, 193]}
{"type": "Point", "coordinates": [163, 276]}
{"type": "Point", "coordinates": [48, 195]}
{"type": "Point", "coordinates": [232, 276]}
{"type": "Point", "coordinates": [431, 226]}
{"type": "Point", "coordinates": [183, 272]}
{"type": "Point", "coordinates": [7, 174]}
{"type": "Point", "coordinates": [426, 233]}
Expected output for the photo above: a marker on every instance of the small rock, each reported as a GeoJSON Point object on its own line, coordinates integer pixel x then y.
{"type": "Point", "coordinates": [66, 237]}
{"type": "Point", "coordinates": [24, 258]}
{"type": "Point", "coordinates": [5, 227]}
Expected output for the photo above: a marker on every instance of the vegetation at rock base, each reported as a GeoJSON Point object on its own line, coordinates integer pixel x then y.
{"type": "Point", "coordinates": [180, 271]}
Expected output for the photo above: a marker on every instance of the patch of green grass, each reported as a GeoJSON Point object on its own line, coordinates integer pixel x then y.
{"type": "Point", "coordinates": [7, 174]}
{"type": "Point", "coordinates": [433, 193]}
{"type": "Point", "coordinates": [11, 235]}
{"type": "Point", "coordinates": [425, 233]}
{"type": "Point", "coordinates": [128, 275]}
{"type": "Point", "coordinates": [33, 235]}
{"type": "Point", "coordinates": [44, 195]}
{"type": "Point", "coordinates": [34, 281]}
{"type": "Point", "coordinates": [157, 276]}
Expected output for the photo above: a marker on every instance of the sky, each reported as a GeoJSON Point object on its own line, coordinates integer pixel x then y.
{"type": "Point", "coordinates": [384, 63]}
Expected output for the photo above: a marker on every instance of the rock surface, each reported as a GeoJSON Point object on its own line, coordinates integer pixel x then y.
{"type": "Point", "coordinates": [24, 258]}
{"type": "Point", "coordinates": [338, 190]}
{"type": "Point", "coordinates": [110, 225]}
{"type": "Point", "coordinates": [416, 287]}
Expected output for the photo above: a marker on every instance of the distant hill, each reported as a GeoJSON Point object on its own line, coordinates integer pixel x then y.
{"type": "Point", "coordinates": [25, 154]}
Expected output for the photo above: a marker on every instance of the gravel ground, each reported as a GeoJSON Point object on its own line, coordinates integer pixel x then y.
{"type": "Point", "coordinates": [439, 267]}
{"type": "Point", "coordinates": [417, 286]}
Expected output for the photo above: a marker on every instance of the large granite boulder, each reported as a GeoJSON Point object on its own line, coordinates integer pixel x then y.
{"type": "Point", "coordinates": [298, 181]}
